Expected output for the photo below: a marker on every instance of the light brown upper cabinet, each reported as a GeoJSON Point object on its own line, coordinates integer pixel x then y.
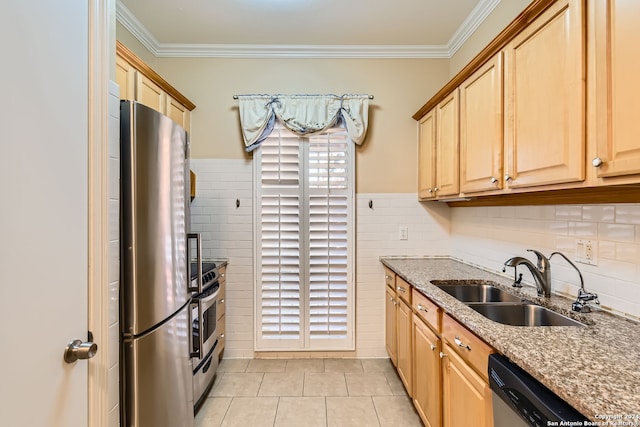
{"type": "Point", "coordinates": [481, 129]}
{"type": "Point", "coordinates": [138, 82]}
{"type": "Point", "coordinates": [427, 156]}
{"type": "Point", "coordinates": [617, 97]}
{"type": "Point", "coordinates": [126, 78]}
{"type": "Point", "coordinates": [438, 146]}
{"type": "Point", "coordinates": [448, 146]}
{"type": "Point", "coordinates": [545, 99]}
{"type": "Point", "coordinates": [149, 93]}
{"type": "Point", "coordinates": [547, 112]}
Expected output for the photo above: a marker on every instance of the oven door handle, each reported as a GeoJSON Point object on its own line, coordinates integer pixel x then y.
{"type": "Point", "coordinates": [198, 238]}
{"type": "Point", "coordinates": [192, 351]}
{"type": "Point", "coordinates": [206, 301]}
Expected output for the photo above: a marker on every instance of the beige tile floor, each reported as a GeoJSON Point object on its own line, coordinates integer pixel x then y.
{"type": "Point", "coordinates": [307, 393]}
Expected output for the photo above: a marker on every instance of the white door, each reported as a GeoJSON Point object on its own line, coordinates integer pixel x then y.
{"type": "Point", "coordinates": [43, 211]}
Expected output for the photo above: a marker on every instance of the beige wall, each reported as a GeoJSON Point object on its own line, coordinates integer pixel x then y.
{"type": "Point", "coordinates": [499, 18]}
{"type": "Point", "coordinates": [128, 39]}
{"type": "Point", "coordinates": [387, 160]}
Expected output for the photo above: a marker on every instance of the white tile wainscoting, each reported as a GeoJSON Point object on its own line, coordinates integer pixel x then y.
{"type": "Point", "coordinates": [113, 379]}
{"type": "Point", "coordinates": [227, 232]}
{"type": "Point", "coordinates": [485, 236]}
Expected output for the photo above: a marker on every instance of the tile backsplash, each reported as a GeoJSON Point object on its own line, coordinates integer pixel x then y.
{"type": "Point", "coordinates": [488, 236]}
{"type": "Point", "coordinates": [485, 236]}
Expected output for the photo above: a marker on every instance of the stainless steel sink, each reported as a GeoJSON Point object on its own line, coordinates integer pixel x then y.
{"type": "Point", "coordinates": [523, 315]}
{"type": "Point", "coordinates": [478, 293]}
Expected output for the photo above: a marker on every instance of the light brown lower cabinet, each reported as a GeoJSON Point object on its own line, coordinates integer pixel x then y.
{"type": "Point", "coordinates": [466, 396]}
{"type": "Point", "coordinates": [442, 365]}
{"type": "Point", "coordinates": [404, 355]}
{"type": "Point", "coordinates": [391, 343]}
{"type": "Point", "coordinates": [427, 391]}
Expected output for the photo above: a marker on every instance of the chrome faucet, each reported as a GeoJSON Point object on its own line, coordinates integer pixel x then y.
{"type": "Point", "coordinates": [542, 276]}
{"type": "Point", "coordinates": [582, 302]}
{"type": "Point", "coordinates": [541, 272]}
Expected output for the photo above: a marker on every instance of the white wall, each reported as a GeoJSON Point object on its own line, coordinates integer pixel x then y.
{"type": "Point", "coordinates": [227, 232]}
{"type": "Point", "coordinates": [488, 236]}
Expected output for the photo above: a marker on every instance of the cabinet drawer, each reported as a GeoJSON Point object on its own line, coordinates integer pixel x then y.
{"type": "Point", "coordinates": [426, 309]}
{"type": "Point", "coordinates": [390, 278]}
{"type": "Point", "coordinates": [471, 348]}
{"type": "Point", "coordinates": [403, 289]}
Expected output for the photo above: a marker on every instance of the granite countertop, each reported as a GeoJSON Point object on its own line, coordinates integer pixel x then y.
{"type": "Point", "coordinates": [220, 262]}
{"type": "Point", "coordinates": [595, 368]}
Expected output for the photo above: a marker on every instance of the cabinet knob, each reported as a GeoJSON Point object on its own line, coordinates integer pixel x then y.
{"type": "Point", "coordinates": [435, 190]}
{"type": "Point", "coordinates": [508, 178]}
{"type": "Point", "coordinates": [422, 308]}
{"type": "Point", "coordinates": [597, 162]}
{"type": "Point", "coordinates": [494, 180]}
{"type": "Point", "coordinates": [433, 347]}
{"type": "Point", "coordinates": [442, 355]}
{"type": "Point", "coordinates": [430, 190]}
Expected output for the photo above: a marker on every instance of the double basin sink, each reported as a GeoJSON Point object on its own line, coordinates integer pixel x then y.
{"type": "Point", "coordinates": [503, 307]}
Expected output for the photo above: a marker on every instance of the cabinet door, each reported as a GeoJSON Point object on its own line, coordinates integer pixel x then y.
{"type": "Point", "coordinates": [618, 87]}
{"type": "Point", "coordinates": [404, 344]}
{"type": "Point", "coordinates": [481, 129]}
{"type": "Point", "coordinates": [427, 392]}
{"type": "Point", "coordinates": [545, 99]}
{"type": "Point", "coordinates": [427, 156]}
{"type": "Point", "coordinates": [178, 112]}
{"type": "Point", "coordinates": [466, 396]}
{"type": "Point", "coordinates": [126, 78]}
{"type": "Point", "coordinates": [150, 94]}
{"type": "Point", "coordinates": [447, 146]}
{"type": "Point", "coordinates": [390, 325]}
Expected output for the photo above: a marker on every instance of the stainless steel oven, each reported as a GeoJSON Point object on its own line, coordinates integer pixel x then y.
{"type": "Point", "coordinates": [204, 332]}
{"type": "Point", "coordinates": [204, 340]}
{"type": "Point", "coordinates": [203, 321]}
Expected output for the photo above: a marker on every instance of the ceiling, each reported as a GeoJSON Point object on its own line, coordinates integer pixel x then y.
{"type": "Point", "coordinates": [397, 28]}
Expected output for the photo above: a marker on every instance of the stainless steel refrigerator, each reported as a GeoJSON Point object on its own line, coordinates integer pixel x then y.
{"type": "Point", "coordinates": [156, 376]}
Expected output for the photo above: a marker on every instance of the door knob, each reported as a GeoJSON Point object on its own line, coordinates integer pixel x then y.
{"type": "Point", "coordinates": [79, 350]}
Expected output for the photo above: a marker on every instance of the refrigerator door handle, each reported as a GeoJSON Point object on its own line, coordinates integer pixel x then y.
{"type": "Point", "coordinates": [192, 351]}
{"type": "Point", "coordinates": [198, 238]}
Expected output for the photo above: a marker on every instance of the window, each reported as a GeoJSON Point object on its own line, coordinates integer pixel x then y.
{"type": "Point", "coordinates": [304, 241]}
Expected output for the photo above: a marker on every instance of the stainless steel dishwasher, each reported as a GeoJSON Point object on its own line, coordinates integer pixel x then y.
{"type": "Point", "coordinates": [519, 400]}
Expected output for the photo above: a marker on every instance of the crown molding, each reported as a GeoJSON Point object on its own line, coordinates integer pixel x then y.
{"type": "Point", "coordinates": [177, 50]}
{"type": "Point", "coordinates": [471, 24]}
{"type": "Point", "coordinates": [299, 51]}
{"type": "Point", "coordinates": [135, 27]}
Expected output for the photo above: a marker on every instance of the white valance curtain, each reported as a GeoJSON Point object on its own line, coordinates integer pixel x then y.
{"type": "Point", "coordinates": [302, 114]}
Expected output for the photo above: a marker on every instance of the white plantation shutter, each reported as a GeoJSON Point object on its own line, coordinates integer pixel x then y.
{"type": "Point", "coordinates": [304, 244]}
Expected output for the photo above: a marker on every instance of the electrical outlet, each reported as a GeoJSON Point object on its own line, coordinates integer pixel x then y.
{"type": "Point", "coordinates": [404, 232]}
{"type": "Point", "coordinates": [586, 252]}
